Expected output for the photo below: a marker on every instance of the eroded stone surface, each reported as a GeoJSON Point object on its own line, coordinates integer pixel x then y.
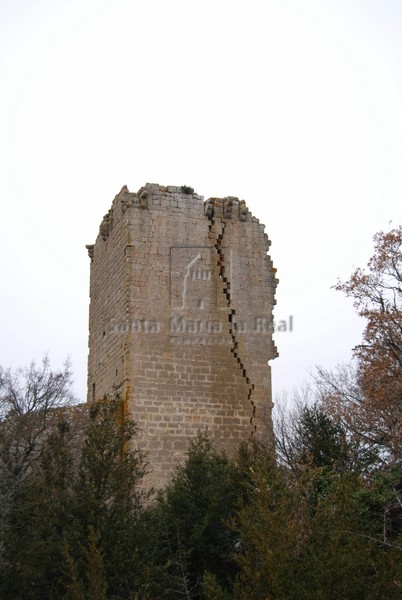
{"type": "Point", "coordinates": [182, 293]}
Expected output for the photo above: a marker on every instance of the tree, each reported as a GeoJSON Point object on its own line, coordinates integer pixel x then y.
{"type": "Point", "coordinates": [108, 497]}
{"type": "Point", "coordinates": [377, 295]}
{"type": "Point", "coordinates": [191, 536]}
{"type": "Point", "coordinates": [39, 523]}
{"type": "Point", "coordinates": [367, 398]}
{"type": "Point", "coordinates": [71, 497]}
{"type": "Point", "coordinates": [306, 435]}
{"type": "Point", "coordinates": [30, 401]}
{"type": "Point", "coordinates": [310, 533]}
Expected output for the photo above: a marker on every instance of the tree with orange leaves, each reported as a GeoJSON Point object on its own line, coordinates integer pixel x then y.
{"type": "Point", "coordinates": [367, 397]}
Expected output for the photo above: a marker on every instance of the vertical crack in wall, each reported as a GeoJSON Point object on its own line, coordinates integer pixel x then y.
{"type": "Point", "coordinates": [231, 314]}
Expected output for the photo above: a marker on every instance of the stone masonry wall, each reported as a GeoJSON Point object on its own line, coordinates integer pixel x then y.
{"type": "Point", "coordinates": [180, 321]}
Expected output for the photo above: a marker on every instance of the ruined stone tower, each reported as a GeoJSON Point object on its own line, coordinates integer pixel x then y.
{"type": "Point", "coordinates": [180, 320]}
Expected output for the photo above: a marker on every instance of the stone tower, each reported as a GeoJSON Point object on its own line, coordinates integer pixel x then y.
{"type": "Point", "coordinates": [180, 320]}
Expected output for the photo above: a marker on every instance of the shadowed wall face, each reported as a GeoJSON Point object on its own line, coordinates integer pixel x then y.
{"type": "Point", "coordinates": [180, 323]}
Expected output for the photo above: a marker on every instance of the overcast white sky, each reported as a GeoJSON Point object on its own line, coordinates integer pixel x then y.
{"type": "Point", "coordinates": [293, 105]}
